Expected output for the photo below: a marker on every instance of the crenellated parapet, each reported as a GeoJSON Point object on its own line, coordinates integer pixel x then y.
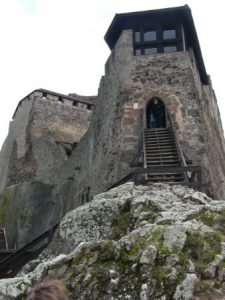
{"type": "Point", "coordinates": [68, 100]}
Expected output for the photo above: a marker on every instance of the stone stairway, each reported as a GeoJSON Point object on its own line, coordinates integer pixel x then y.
{"type": "Point", "coordinates": [161, 151]}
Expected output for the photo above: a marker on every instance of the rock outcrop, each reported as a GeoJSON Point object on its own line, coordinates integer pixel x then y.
{"type": "Point", "coordinates": [135, 242]}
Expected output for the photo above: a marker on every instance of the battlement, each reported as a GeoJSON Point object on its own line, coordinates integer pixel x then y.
{"type": "Point", "coordinates": [69, 100]}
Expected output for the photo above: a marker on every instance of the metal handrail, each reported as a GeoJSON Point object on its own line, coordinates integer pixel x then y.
{"type": "Point", "coordinates": [178, 147]}
{"type": "Point", "coordinates": [144, 148]}
{"type": "Point", "coordinates": [12, 260]}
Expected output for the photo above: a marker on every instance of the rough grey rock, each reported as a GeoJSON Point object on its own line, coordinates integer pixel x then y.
{"type": "Point", "coordinates": [174, 238]}
{"type": "Point", "coordinates": [210, 271]}
{"type": "Point", "coordinates": [149, 255]}
{"type": "Point", "coordinates": [185, 290]}
{"type": "Point", "coordinates": [103, 250]}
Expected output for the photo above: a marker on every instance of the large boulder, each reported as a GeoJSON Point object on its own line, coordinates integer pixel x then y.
{"type": "Point", "coordinates": [135, 242]}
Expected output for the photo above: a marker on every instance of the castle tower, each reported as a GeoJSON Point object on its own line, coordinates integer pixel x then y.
{"type": "Point", "coordinates": [156, 58]}
{"type": "Point", "coordinates": [155, 68]}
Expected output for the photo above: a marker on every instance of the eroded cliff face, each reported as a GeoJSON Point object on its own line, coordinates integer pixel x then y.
{"type": "Point", "coordinates": [135, 242]}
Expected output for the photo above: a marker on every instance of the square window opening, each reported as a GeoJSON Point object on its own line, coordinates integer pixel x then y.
{"type": "Point", "coordinates": [137, 36]}
{"type": "Point", "coordinates": [170, 49]}
{"type": "Point", "coordinates": [169, 34]}
{"type": "Point", "coordinates": [137, 52]}
{"type": "Point", "coordinates": [150, 51]}
{"type": "Point", "coordinates": [150, 36]}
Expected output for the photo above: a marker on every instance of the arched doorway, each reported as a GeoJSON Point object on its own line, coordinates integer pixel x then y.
{"type": "Point", "coordinates": [156, 114]}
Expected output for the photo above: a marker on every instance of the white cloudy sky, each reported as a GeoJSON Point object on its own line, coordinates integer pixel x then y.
{"type": "Point", "coordinates": [58, 45]}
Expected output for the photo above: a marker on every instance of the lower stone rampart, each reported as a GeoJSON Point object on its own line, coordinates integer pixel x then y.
{"type": "Point", "coordinates": [40, 141]}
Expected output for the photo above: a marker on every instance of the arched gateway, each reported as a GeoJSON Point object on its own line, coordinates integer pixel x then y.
{"type": "Point", "coordinates": [156, 114]}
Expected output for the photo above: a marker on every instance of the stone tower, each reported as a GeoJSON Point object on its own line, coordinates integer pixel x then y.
{"type": "Point", "coordinates": [155, 55]}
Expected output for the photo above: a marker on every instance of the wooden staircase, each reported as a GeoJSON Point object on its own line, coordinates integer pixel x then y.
{"type": "Point", "coordinates": [161, 151]}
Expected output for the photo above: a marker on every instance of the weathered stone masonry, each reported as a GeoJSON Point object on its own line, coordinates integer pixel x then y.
{"type": "Point", "coordinates": [113, 139]}
{"type": "Point", "coordinates": [59, 153]}
{"type": "Point", "coordinates": [41, 136]}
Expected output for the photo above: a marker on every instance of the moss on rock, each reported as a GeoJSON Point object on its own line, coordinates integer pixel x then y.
{"type": "Point", "coordinates": [202, 248]}
{"type": "Point", "coordinates": [3, 208]}
{"type": "Point", "coordinates": [154, 245]}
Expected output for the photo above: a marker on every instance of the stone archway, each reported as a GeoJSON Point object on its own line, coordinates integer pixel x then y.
{"type": "Point", "coordinates": [155, 114]}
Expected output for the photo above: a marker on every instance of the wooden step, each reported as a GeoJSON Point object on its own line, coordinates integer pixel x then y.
{"type": "Point", "coordinates": [150, 145]}
{"type": "Point", "coordinates": [162, 147]}
{"type": "Point", "coordinates": [164, 179]}
{"type": "Point", "coordinates": [161, 151]}
{"type": "Point", "coordinates": [164, 158]}
{"type": "Point", "coordinates": [165, 176]}
{"type": "Point", "coordinates": [158, 132]}
{"type": "Point", "coordinates": [153, 136]}
{"type": "Point", "coordinates": [157, 129]}
{"type": "Point", "coordinates": [162, 155]}
{"type": "Point", "coordinates": [159, 141]}
{"type": "Point", "coordinates": [168, 182]}
{"type": "Point", "coordinates": [160, 144]}
{"type": "Point", "coordinates": [163, 165]}
{"type": "Point", "coordinates": [149, 140]}
{"type": "Point", "coordinates": [149, 133]}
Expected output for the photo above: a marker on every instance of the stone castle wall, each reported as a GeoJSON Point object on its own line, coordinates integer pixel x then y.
{"type": "Point", "coordinates": [37, 139]}
{"type": "Point", "coordinates": [107, 151]}
{"type": "Point", "coordinates": [40, 139]}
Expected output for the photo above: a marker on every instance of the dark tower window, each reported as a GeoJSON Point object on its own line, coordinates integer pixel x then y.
{"type": "Point", "coordinates": [160, 39]}
{"type": "Point", "coordinates": [156, 114]}
{"type": "Point", "coordinates": [137, 36]}
{"type": "Point", "coordinates": [169, 34]}
{"type": "Point", "coordinates": [137, 52]}
{"type": "Point", "coordinates": [150, 51]}
{"type": "Point", "coordinates": [149, 36]}
{"type": "Point", "coordinates": [169, 49]}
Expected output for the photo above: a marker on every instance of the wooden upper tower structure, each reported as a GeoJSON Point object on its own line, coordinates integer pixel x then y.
{"type": "Point", "coordinates": [159, 31]}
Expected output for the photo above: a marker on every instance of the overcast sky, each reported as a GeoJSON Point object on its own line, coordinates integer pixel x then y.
{"type": "Point", "coordinates": [58, 45]}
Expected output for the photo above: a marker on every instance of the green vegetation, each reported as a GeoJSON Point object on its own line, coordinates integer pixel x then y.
{"type": "Point", "coordinates": [121, 221]}
{"type": "Point", "coordinates": [165, 222]}
{"type": "Point", "coordinates": [208, 218]}
{"type": "Point", "coordinates": [3, 207]}
{"type": "Point", "coordinates": [24, 216]}
{"type": "Point", "coordinates": [133, 254]}
{"type": "Point", "coordinates": [156, 237]}
{"type": "Point", "coordinates": [212, 219]}
{"type": "Point", "coordinates": [202, 249]}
